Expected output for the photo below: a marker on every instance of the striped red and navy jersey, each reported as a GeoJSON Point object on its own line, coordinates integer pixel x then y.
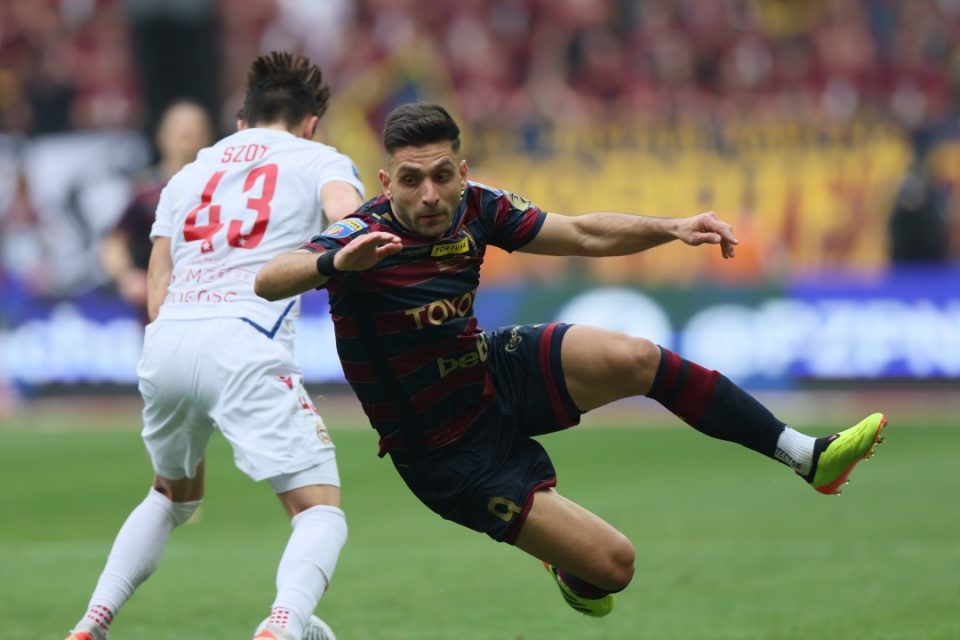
{"type": "Point", "coordinates": [406, 333]}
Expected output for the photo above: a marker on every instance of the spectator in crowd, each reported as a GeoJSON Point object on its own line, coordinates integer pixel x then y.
{"type": "Point", "coordinates": [125, 253]}
{"type": "Point", "coordinates": [919, 223]}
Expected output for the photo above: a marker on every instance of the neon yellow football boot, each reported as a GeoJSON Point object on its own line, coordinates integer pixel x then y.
{"type": "Point", "coordinates": [841, 452]}
{"type": "Point", "coordinates": [596, 607]}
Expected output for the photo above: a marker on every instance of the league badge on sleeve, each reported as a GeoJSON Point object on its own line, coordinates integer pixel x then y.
{"type": "Point", "coordinates": [519, 203]}
{"type": "Point", "coordinates": [344, 228]}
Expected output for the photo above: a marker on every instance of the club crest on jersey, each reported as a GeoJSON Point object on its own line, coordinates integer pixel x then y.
{"type": "Point", "coordinates": [344, 228]}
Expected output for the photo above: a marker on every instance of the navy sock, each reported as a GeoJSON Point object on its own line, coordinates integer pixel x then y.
{"type": "Point", "coordinates": [581, 587]}
{"type": "Point", "coordinates": [710, 403]}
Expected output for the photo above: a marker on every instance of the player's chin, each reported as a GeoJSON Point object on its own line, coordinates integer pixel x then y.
{"type": "Point", "coordinates": [434, 224]}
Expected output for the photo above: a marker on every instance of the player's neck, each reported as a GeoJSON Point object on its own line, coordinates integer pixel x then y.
{"type": "Point", "coordinates": [276, 126]}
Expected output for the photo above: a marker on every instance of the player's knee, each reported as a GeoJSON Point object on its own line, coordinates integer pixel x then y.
{"type": "Point", "coordinates": [183, 511]}
{"type": "Point", "coordinates": [622, 557]}
{"type": "Point", "coordinates": [182, 489]}
{"type": "Point", "coordinates": [614, 569]}
{"type": "Point", "coordinates": [178, 512]}
{"type": "Point", "coordinates": [641, 359]}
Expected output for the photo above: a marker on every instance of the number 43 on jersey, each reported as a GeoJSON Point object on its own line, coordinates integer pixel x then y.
{"type": "Point", "coordinates": [262, 179]}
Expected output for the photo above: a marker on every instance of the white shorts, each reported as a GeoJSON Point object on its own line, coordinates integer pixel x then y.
{"type": "Point", "coordinates": [198, 375]}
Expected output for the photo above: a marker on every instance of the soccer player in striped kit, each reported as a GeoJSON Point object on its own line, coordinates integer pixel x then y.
{"type": "Point", "coordinates": [218, 356]}
{"type": "Point", "coordinates": [457, 408]}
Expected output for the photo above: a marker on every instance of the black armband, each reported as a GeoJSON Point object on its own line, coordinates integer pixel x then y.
{"type": "Point", "coordinates": [325, 265]}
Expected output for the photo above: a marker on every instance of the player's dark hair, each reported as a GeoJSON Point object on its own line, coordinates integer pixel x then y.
{"type": "Point", "coordinates": [284, 88]}
{"type": "Point", "coordinates": [418, 124]}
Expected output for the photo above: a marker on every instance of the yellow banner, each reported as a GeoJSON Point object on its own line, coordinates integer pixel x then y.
{"type": "Point", "coordinates": [801, 197]}
{"type": "Point", "coordinates": [798, 199]}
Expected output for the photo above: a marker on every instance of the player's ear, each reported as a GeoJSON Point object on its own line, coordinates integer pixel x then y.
{"type": "Point", "coordinates": [385, 182]}
{"type": "Point", "coordinates": [463, 174]}
{"type": "Point", "coordinates": [310, 128]}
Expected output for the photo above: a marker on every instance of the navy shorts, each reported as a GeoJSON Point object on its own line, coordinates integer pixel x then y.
{"type": "Point", "coordinates": [486, 479]}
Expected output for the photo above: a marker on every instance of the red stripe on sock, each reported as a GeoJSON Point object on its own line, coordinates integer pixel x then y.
{"type": "Point", "coordinates": [696, 393]}
{"type": "Point", "coordinates": [671, 367]}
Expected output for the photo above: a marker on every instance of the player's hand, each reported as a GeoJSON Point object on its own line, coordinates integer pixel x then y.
{"type": "Point", "coordinates": [707, 228]}
{"type": "Point", "coordinates": [366, 250]}
{"type": "Point", "coordinates": [132, 286]}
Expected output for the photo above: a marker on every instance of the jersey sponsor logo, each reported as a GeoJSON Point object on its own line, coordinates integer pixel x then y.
{"type": "Point", "coordinates": [344, 228]}
{"type": "Point", "coordinates": [472, 359]}
{"type": "Point", "coordinates": [200, 296]}
{"type": "Point", "coordinates": [216, 272]}
{"type": "Point", "coordinates": [519, 203]}
{"type": "Point", "coordinates": [454, 248]}
{"type": "Point", "coordinates": [439, 311]}
{"type": "Point", "coordinates": [416, 251]}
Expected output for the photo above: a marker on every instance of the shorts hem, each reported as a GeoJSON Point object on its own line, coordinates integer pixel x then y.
{"type": "Point", "coordinates": [260, 474]}
{"type": "Point", "coordinates": [514, 531]}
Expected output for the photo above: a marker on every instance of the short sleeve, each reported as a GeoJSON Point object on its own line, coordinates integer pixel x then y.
{"type": "Point", "coordinates": [513, 221]}
{"type": "Point", "coordinates": [163, 224]}
{"type": "Point", "coordinates": [336, 167]}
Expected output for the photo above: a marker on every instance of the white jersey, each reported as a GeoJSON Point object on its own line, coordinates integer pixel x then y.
{"type": "Point", "coordinates": [253, 195]}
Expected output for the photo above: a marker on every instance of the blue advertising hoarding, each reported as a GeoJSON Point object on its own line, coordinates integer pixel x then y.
{"type": "Point", "coordinates": [903, 325]}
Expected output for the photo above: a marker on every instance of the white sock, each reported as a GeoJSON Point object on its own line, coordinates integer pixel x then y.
{"type": "Point", "coordinates": [307, 565]}
{"type": "Point", "coordinates": [795, 450]}
{"type": "Point", "coordinates": [135, 555]}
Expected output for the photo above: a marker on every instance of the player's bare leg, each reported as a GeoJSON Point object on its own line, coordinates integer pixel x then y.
{"type": "Point", "coordinates": [303, 498]}
{"type": "Point", "coordinates": [561, 532]}
{"type": "Point", "coordinates": [601, 366]}
{"type": "Point", "coordinates": [182, 489]}
{"type": "Point", "coordinates": [137, 549]}
{"type": "Point", "coordinates": [589, 558]}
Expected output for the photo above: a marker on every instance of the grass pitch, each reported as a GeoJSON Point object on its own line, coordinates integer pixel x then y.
{"type": "Point", "coordinates": [730, 546]}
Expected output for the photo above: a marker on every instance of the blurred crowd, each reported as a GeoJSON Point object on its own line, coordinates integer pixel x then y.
{"type": "Point", "coordinates": [89, 66]}
{"type": "Point", "coordinates": [69, 64]}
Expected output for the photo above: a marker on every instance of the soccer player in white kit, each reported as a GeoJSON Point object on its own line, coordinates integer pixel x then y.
{"type": "Point", "coordinates": [218, 356]}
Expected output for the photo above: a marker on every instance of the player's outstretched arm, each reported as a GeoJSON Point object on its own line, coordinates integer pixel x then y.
{"type": "Point", "coordinates": [294, 272]}
{"type": "Point", "coordinates": [617, 234]}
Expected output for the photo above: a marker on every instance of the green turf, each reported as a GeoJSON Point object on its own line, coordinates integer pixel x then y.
{"type": "Point", "coordinates": [730, 546]}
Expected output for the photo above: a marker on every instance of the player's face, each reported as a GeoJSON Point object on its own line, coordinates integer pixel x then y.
{"type": "Point", "coordinates": [184, 131]}
{"type": "Point", "coordinates": [424, 186]}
